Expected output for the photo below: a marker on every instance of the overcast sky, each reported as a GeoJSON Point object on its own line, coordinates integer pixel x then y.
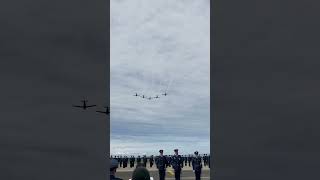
{"type": "Point", "coordinates": [160, 46]}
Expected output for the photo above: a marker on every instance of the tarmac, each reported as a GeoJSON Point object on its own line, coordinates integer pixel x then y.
{"type": "Point", "coordinates": [187, 173]}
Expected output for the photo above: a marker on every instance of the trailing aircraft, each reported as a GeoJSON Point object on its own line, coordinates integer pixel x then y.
{"type": "Point", "coordinates": [84, 104]}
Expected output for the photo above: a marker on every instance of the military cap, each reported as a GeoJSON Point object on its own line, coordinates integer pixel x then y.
{"type": "Point", "coordinates": [160, 150]}
{"type": "Point", "coordinates": [175, 150]}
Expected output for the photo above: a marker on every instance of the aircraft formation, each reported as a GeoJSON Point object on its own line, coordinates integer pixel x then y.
{"type": "Point", "coordinates": [149, 97]}
{"type": "Point", "coordinates": [84, 106]}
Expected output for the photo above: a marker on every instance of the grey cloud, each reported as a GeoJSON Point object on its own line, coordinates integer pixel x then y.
{"type": "Point", "coordinates": [158, 49]}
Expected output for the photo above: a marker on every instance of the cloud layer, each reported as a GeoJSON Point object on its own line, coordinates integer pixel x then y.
{"type": "Point", "coordinates": [156, 47]}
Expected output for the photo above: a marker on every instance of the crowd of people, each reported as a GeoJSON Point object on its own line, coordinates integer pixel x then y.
{"type": "Point", "coordinates": [131, 161]}
{"type": "Point", "coordinates": [176, 161]}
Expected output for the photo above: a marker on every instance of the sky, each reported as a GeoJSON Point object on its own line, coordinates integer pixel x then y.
{"type": "Point", "coordinates": [160, 46]}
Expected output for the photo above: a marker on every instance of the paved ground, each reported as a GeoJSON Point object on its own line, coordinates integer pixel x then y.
{"type": "Point", "coordinates": [186, 173]}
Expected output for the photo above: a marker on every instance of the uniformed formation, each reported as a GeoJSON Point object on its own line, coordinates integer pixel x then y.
{"type": "Point", "coordinates": [131, 161]}
{"type": "Point", "coordinates": [84, 106]}
{"type": "Point", "coordinates": [176, 161]}
{"type": "Point", "coordinates": [149, 97]}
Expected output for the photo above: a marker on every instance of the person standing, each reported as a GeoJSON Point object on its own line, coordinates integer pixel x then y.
{"type": "Point", "coordinates": [132, 159]}
{"type": "Point", "coordinates": [189, 160]}
{"type": "Point", "coordinates": [197, 165]}
{"type": "Point", "coordinates": [151, 161]}
{"type": "Point", "coordinates": [205, 160]}
{"type": "Point", "coordinates": [138, 159]}
{"type": "Point", "coordinates": [120, 161]}
{"type": "Point", "coordinates": [125, 162]}
{"type": "Point", "coordinates": [177, 164]}
{"type": "Point", "coordinates": [161, 162]}
{"type": "Point", "coordinates": [185, 160]}
{"type": "Point", "coordinates": [144, 159]}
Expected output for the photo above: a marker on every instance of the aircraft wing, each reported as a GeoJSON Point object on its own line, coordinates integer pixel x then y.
{"type": "Point", "coordinates": [101, 112]}
{"type": "Point", "coordinates": [78, 106]}
{"type": "Point", "coordinates": [92, 106]}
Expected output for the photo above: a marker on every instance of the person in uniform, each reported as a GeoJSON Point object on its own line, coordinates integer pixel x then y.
{"type": "Point", "coordinates": [125, 162]}
{"type": "Point", "coordinates": [151, 161]}
{"type": "Point", "coordinates": [161, 162]}
{"type": "Point", "coordinates": [144, 159]}
{"type": "Point", "coordinates": [185, 160]}
{"type": "Point", "coordinates": [121, 161]}
{"type": "Point", "coordinates": [113, 169]}
{"type": "Point", "coordinates": [205, 159]}
{"type": "Point", "coordinates": [138, 159]}
{"type": "Point", "coordinates": [189, 160]}
{"type": "Point", "coordinates": [127, 159]}
{"type": "Point", "coordinates": [197, 165]}
{"type": "Point", "coordinates": [177, 164]}
{"type": "Point", "coordinates": [131, 161]}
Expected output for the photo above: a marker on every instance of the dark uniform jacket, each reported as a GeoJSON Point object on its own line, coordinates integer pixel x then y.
{"type": "Point", "coordinates": [151, 159]}
{"type": "Point", "coordinates": [177, 162]}
{"type": "Point", "coordinates": [144, 159]}
{"type": "Point", "coordinates": [138, 159]}
{"type": "Point", "coordinates": [161, 162]}
{"type": "Point", "coordinates": [196, 163]}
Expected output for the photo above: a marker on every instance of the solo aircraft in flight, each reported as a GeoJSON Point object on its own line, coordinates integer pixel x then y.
{"type": "Point", "coordinates": [84, 105]}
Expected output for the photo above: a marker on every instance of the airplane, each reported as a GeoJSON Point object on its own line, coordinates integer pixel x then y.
{"type": "Point", "coordinates": [136, 94]}
{"type": "Point", "coordinates": [84, 106]}
{"type": "Point", "coordinates": [156, 97]}
{"type": "Point", "coordinates": [105, 112]}
{"type": "Point", "coordinates": [165, 94]}
{"type": "Point", "coordinates": [142, 96]}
